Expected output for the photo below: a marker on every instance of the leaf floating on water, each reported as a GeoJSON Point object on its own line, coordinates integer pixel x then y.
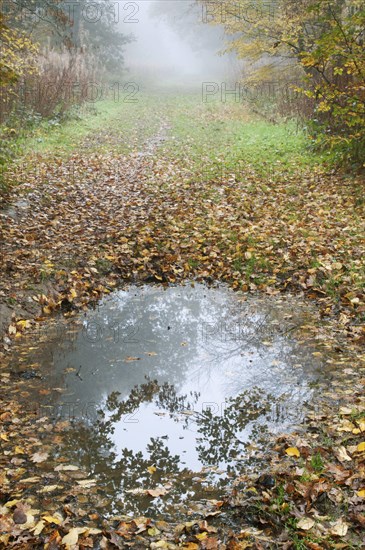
{"type": "Point", "coordinates": [49, 488]}
{"type": "Point", "coordinates": [129, 359]}
{"type": "Point", "coordinates": [34, 479]}
{"type": "Point", "coordinates": [86, 482]}
{"type": "Point", "coordinates": [137, 491]}
{"type": "Point", "coordinates": [293, 451]}
{"type": "Point", "coordinates": [66, 468]}
{"type": "Point", "coordinates": [39, 457]}
{"type": "Point", "coordinates": [155, 493]}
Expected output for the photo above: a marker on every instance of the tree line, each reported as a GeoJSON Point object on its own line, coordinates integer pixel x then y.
{"type": "Point", "coordinates": [319, 44]}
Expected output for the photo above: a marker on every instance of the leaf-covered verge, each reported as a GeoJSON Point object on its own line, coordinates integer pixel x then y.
{"type": "Point", "coordinates": [211, 195]}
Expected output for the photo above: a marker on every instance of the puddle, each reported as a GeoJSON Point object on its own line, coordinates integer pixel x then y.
{"type": "Point", "coordinates": [16, 210]}
{"type": "Point", "coordinates": [173, 388]}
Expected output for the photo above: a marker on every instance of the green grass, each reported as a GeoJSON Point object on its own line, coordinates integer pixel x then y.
{"type": "Point", "coordinates": [213, 142]}
{"type": "Point", "coordinates": [86, 127]}
{"type": "Point", "coordinates": [317, 463]}
{"type": "Point", "coordinates": [116, 118]}
{"type": "Point", "coordinates": [219, 139]}
{"type": "Point", "coordinates": [225, 141]}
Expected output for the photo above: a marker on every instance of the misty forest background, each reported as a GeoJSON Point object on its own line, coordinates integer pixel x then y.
{"type": "Point", "coordinates": [170, 142]}
{"type": "Point", "coordinates": [303, 61]}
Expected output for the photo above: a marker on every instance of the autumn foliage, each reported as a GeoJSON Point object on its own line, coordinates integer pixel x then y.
{"type": "Point", "coordinates": [317, 44]}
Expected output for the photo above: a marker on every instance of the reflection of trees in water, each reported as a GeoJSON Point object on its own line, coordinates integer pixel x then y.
{"type": "Point", "coordinates": [219, 334]}
{"type": "Point", "coordinates": [260, 349]}
{"type": "Point", "coordinates": [221, 439]}
{"type": "Point", "coordinates": [222, 335]}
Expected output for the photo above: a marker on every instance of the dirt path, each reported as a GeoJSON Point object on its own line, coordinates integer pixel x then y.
{"type": "Point", "coordinates": [95, 219]}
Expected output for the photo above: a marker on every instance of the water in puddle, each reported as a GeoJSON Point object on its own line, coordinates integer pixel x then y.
{"type": "Point", "coordinates": [175, 388]}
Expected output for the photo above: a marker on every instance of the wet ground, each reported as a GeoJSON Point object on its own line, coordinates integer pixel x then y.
{"type": "Point", "coordinates": [173, 389]}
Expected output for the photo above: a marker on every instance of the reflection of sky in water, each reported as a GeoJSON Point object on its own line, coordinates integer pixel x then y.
{"type": "Point", "coordinates": [197, 340]}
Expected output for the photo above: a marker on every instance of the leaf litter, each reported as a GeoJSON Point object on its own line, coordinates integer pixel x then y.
{"type": "Point", "coordinates": [99, 219]}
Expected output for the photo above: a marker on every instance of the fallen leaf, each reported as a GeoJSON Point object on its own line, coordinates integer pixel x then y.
{"type": "Point", "coordinates": [39, 457]}
{"type": "Point", "coordinates": [156, 492]}
{"type": "Point", "coordinates": [342, 455]}
{"type": "Point", "coordinates": [38, 528]}
{"type": "Point", "coordinates": [72, 536]}
{"type": "Point", "coordinates": [292, 451]}
{"type": "Point", "coordinates": [339, 529]}
{"type": "Point", "coordinates": [86, 482]}
{"type": "Point", "coordinates": [66, 468]}
{"type": "Point", "coordinates": [305, 524]}
{"type": "Point", "coordinates": [52, 519]}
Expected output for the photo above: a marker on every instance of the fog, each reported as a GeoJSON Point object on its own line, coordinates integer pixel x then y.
{"type": "Point", "coordinates": [173, 45]}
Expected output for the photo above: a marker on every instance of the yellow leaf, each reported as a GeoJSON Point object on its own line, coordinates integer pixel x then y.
{"type": "Point", "coordinates": [151, 469]}
{"type": "Point", "coordinates": [73, 293]}
{"type": "Point", "coordinates": [361, 424]}
{"type": "Point", "coordinates": [361, 447]}
{"type": "Point", "coordinates": [201, 536]}
{"type": "Point", "coordinates": [23, 323]}
{"type": "Point", "coordinates": [4, 437]}
{"type": "Point", "coordinates": [11, 503]}
{"type": "Point", "coordinates": [153, 532]}
{"type": "Point", "coordinates": [19, 450]}
{"type": "Point", "coordinates": [52, 519]}
{"type": "Point", "coordinates": [361, 493]}
{"type": "Point", "coordinates": [292, 451]}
